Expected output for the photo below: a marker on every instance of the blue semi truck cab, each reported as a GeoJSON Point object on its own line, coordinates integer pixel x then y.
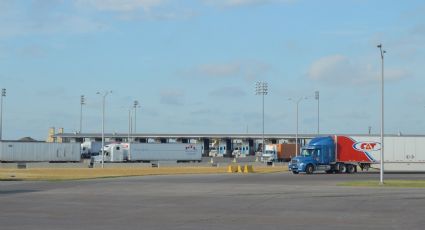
{"type": "Point", "coordinates": [320, 155]}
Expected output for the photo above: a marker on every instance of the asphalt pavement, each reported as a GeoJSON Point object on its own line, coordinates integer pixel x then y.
{"type": "Point", "coordinates": [225, 201]}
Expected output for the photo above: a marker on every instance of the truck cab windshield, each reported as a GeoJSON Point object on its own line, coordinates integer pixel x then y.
{"type": "Point", "coordinates": [308, 152]}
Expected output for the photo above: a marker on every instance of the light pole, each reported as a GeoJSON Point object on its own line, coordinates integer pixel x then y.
{"type": "Point", "coordinates": [104, 94]}
{"type": "Point", "coordinates": [82, 102]}
{"type": "Point", "coordinates": [129, 132]}
{"type": "Point", "coordinates": [316, 96]}
{"type": "Point", "coordinates": [381, 174]}
{"type": "Point", "coordinates": [261, 88]}
{"type": "Point", "coordinates": [135, 106]}
{"type": "Point", "coordinates": [296, 135]}
{"type": "Point", "coordinates": [129, 124]}
{"type": "Point", "coordinates": [3, 94]}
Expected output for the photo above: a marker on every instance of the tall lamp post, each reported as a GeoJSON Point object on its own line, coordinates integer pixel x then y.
{"type": "Point", "coordinates": [316, 96]}
{"type": "Point", "coordinates": [3, 94]}
{"type": "Point", "coordinates": [296, 135]}
{"type": "Point", "coordinates": [135, 106]}
{"type": "Point", "coordinates": [104, 94]}
{"type": "Point", "coordinates": [82, 102]}
{"type": "Point", "coordinates": [129, 124]}
{"type": "Point", "coordinates": [261, 88]}
{"type": "Point", "coordinates": [381, 174]}
{"type": "Point", "coordinates": [129, 131]}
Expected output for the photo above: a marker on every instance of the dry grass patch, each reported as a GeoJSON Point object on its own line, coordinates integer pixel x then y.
{"type": "Point", "coordinates": [92, 173]}
{"type": "Point", "coordinates": [387, 183]}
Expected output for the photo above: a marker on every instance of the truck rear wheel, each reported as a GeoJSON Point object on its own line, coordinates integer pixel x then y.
{"type": "Point", "coordinates": [342, 168]}
{"type": "Point", "coordinates": [351, 169]}
{"type": "Point", "coordinates": [309, 169]}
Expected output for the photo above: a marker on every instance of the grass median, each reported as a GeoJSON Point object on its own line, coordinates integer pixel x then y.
{"type": "Point", "coordinates": [53, 174]}
{"type": "Point", "coordinates": [387, 183]}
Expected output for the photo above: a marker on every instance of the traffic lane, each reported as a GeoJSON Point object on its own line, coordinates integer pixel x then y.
{"type": "Point", "coordinates": [260, 179]}
{"type": "Point", "coordinates": [210, 202]}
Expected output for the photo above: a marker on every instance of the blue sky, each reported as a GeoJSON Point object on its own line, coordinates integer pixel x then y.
{"type": "Point", "coordinates": [193, 65]}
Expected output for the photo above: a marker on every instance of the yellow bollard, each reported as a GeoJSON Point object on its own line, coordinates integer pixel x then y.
{"type": "Point", "coordinates": [248, 169]}
{"type": "Point", "coordinates": [229, 169]}
{"type": "Point", "coordinates": [239, 169]}
{"type": "Point", "coordinates": [245, 169]}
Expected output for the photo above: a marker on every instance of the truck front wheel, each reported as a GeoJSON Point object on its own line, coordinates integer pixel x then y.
{"type": "Point", "coordinates": [309, 169]}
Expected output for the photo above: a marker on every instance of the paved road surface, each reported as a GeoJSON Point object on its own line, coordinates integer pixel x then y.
{"type": "Point", "coordinates": [255, 201]}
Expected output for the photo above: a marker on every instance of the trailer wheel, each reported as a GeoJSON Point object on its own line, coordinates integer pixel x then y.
{"type": "Point", "coordinates": [351, 169]}
{"type": "Point", "coordinates": [309, 169]}
{"type": "Point", "coordinates": [342, 168]}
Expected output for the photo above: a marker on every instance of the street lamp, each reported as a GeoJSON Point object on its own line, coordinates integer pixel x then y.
{"type": "Point", "coordinates": [261, 88]}
{"type": "Point", "coordinates": [381, 174]}
{"type": "Point", "coordinates": [3, 94]}
{"type": "Point", "coordinates": [135, 106]}
{"type": "Point", "coordinates": [104, 94]}
{"type": "Point", "coordinates": [316, 96]}
{"type": "Point", "coordinates": [82, 102]}
{"type": "Point", "coordinates": [129, 124]}
{"type": "Point", "coordinates": [296, 135]}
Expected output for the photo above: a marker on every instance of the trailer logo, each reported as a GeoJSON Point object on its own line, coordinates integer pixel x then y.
{"type": "Point", "coordinates": [367, 146]}
{"type": "Point", "coordinates": [190, 148]}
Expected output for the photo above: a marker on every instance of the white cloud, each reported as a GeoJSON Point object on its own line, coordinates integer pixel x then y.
{"type": "Point", "coordinates": [219, 70]}
{"type": "Point", "coordinates": [121, 5]}
{"type": "Point", "coordinates": [228, 92]}
{"type": "Point", "coordinates": [43, 17]}
{"type": "Point", "coordinates": [339, 69]}
{"type": "Point", "coordinates": [248, 70]}
{"type": "Point", "coordinates": [239, 3]}
{"type": "Point", "coordinates": [172, 97]}
{"type": "Point", "coordinates": [140, 9]}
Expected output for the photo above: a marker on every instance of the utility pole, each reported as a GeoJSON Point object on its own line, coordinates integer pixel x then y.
{"type": "Point", "coordinates": [3, 94]}
{"type": "Point", "coordinates": [297, 102]}
{"type": "Point", "coordinates": [135, 106]}
{"type": "Point", "coordinates": [262, 90]}
{"type": "Point", "coordinates": [316, 96]}
{"type": "Point", "coordinates": [104, 94]}
{"type": "Point", "coordinates": [82, 102]}
{"type": "Point", "coordinates": [381, 174]}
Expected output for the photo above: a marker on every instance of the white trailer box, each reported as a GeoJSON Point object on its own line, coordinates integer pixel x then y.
{"type": "Point", "coordinates": [164, 152]}
{"type": "Point", "coordinates": [401, 153]}
{"type": "Point", "coordinates": [39, 152]}
{"type": "Point", "coordinates": [91, 148]}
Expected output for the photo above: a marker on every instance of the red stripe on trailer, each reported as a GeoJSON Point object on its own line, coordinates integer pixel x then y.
{"type": "Point", "coordinates": [346, 153]}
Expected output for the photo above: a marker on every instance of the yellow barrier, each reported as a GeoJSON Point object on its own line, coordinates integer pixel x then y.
{"type": "Point", "coordinates": [248, 169]}
{"type": "Point", "coordinates": [232, 168]}
{"type": "Point", "coordinates": [240, 169]}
